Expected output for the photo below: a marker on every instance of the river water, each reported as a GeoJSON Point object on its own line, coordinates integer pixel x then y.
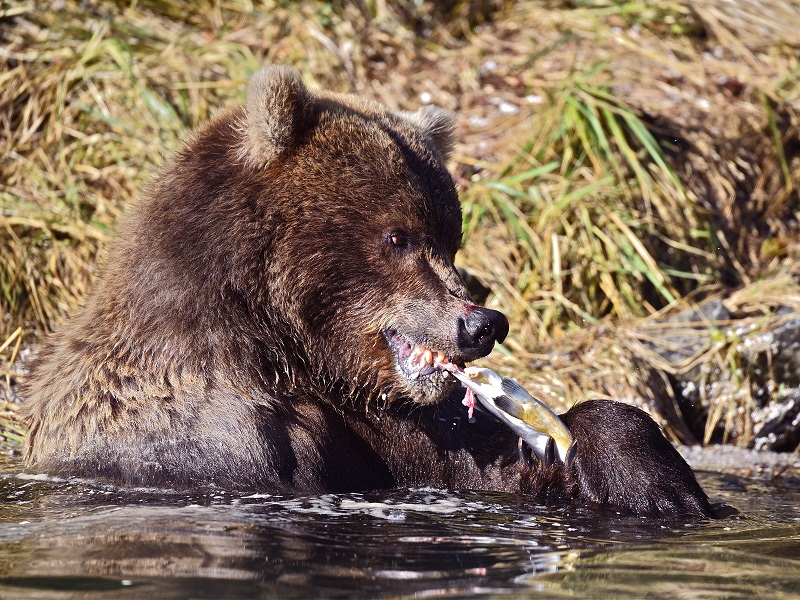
{"type": "Point", "coordinates": [74, 539]}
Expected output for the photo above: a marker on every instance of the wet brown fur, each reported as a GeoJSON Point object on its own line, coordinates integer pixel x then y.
{"type": "Point", "coordinates": [237, 335]}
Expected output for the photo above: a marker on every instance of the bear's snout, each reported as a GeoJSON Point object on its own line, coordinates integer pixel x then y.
{"type": "Point", "coordinates": [478, 330]}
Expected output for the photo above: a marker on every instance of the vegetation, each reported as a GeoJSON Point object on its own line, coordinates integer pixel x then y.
{"type": "Point", "coordinates": [619, 160]}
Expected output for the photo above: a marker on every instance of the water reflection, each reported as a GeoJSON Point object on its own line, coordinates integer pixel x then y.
{"type": "Point", "coordinates": [61, 537]}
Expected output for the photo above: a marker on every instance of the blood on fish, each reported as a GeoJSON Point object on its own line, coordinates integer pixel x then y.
{"type": "Point", "coordinates": [469, 402]}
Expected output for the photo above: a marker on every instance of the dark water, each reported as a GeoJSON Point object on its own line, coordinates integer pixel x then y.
{"type": "Point", "coordinates": [71, 539]}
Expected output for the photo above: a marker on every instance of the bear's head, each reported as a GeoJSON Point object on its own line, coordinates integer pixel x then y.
{"type": "Point", "coordinates": [363, 269]}
{"type": "Point", "coordinates": [345, 239]}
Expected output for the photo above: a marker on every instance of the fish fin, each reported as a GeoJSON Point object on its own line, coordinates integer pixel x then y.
{"type": "Point", "coordinates": [513, 389]}
{"type": "Point", "coordinates": [507, 405]}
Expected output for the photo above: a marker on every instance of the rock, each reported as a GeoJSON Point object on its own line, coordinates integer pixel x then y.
{"type": "Point", "coordinates": [746, 363]}
{"type": "Point", "coordinates": [780, 418]}
{"type": "Point", "coordinates": [692, 335]}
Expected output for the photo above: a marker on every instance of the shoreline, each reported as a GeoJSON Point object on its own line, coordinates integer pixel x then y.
{"type": "Point", "coordinates": [744, 462]}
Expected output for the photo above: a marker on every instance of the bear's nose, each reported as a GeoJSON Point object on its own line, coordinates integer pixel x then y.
{"type": "Point", "coordinates": [478, 330]}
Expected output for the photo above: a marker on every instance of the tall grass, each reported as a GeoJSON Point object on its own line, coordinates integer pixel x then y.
{"type": "Point", "coordinates": [86, 113]}
{"type": "Point", "coordinates": [617, 206]}
{"type": "Point", "coordinates": [588, 204]}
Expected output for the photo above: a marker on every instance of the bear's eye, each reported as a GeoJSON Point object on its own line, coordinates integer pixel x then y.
{"type": "Point", "coordinates": [398, 239]}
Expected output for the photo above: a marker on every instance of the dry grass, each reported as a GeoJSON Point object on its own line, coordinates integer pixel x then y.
{"type": "Point", "coordinates": [727, 360]}
{"type": "Point", "coordinates": [617, 158]}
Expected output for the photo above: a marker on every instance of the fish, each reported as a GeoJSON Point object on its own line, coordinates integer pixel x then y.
{"type": "Point", "coordinates": [524, 414]}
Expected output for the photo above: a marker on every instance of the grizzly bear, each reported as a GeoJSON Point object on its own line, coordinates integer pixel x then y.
{"type": "Point", "coordinates": [274, 314]}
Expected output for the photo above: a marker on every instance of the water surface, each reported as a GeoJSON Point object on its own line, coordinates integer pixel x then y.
{"type": "Point", "coordinates": [75, 539]}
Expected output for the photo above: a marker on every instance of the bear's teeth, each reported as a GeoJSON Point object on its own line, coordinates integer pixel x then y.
{"type": "Point", "coordinates": [427, 357]}
{"type": "Point", "coordinates": [421, 357]}
{"type": "Point", "coordinates": [416, 352]}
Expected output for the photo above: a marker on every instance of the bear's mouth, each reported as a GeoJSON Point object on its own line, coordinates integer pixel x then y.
{"type": "Point", "coordinates": [417, 362]}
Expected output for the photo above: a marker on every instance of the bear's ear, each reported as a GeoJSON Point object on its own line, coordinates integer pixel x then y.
{"type": "Point", "coordinates": [438, 125]}
{"type": "Point", "coordinates": [278, 103]}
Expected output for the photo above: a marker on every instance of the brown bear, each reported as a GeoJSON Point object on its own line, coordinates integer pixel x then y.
{"type": "Point", "coordinates": [274, 314]}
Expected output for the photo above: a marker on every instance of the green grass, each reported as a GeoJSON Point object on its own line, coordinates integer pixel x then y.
{"type": "Point", "coordinates": [590, 202]}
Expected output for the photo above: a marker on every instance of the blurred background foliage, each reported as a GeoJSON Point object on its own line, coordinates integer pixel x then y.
{"type": "Point", "coordinates": [619, 161]}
